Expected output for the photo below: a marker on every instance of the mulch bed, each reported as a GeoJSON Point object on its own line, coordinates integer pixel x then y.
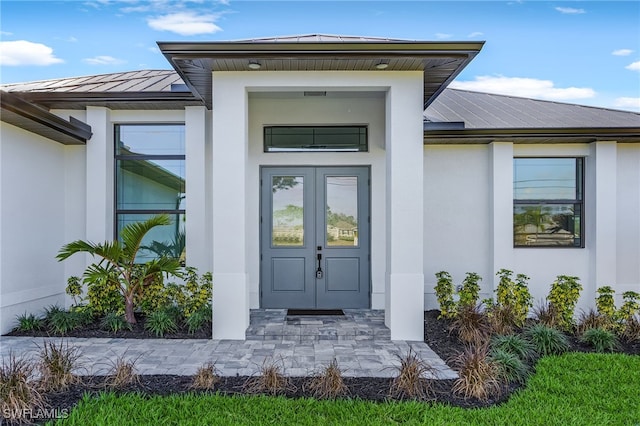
{"type": "Point", "coordinates": [437, 336]}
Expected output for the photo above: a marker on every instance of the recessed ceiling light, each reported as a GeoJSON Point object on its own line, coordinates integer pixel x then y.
{"type": "Point", "coordinates": [382, 65]}
{"type": "Point", "coordinates": [255, 65]}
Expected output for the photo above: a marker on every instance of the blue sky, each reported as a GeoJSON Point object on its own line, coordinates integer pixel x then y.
{"type": "Point", "coordinates": [585, 52]}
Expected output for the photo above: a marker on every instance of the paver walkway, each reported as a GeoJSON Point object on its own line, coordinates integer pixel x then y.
{"type": "Point", "coordinates": [356, 358]}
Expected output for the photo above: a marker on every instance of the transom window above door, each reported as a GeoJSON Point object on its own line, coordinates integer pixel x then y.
{"type": "Point", "coordinates": [316, 139]}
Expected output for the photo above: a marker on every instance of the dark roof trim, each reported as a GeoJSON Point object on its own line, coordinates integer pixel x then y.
{"type": "Point", "coordinates": [529, 135]}
{"type": "Point", "coordinates": [28, 116]}
{"type": "Point", "coordinates": [58, 97]}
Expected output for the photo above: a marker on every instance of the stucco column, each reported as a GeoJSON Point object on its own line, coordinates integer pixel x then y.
{"type": "Point", "coordinates": [603, 245]}
{"type": "Point", "coordinates": [229, 162]}
{"type": "Point", "coordinates": [99, 175]}
{"type": "Point", "coordinates": [501, 209]}
{"type": "Point", "coordinates": [404, 313]}
{"type": "Point", "coordinates": [198, 224]}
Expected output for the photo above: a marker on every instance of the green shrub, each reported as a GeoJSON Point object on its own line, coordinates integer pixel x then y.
{"type": "Point", "coordinates": [198, 319]}
{"type": "Point", "coordinates": [470, 291]}
{"type": "Point", "coordinates": [160, 323]}
{"type": "Point", "coordinates": [196, 292]}
{"type": "Point", "coordinates": [514, 344]}
{"type": "Point", "coordinates": [630, 305]}
{"type": "Point", "coordinates": [74, 289]}
{"type": "Point", "coordinates": [114, 322]}
{"type": "Point", "coordinates": [547, 340]}
{"type": "Point", "coordinates": [444, 293]}
{"type": "Point", "coordinates": [605, 303]}
{"type": "Point", "coordinates": [564, 295]}
{"type": "Point", "coordinates": [600, 339]}
{"type": "Point", "coordinates": [29, 323]}
{"type": "Point", "coordinates": [514, 294]}
{"type": "Point", "coordinates": [511, 367]}
{"type": "Point", "coordinates": [62, 322]}
{"type": "Point", "coordinates": [104, 295]}
{"type": "Point", "coordinates": [154, 297]}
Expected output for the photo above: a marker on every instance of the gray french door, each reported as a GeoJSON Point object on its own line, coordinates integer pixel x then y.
{"type": "Point", "coordinates": [314, 237]}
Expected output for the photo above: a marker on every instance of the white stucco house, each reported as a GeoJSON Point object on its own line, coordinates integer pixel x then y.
{"type": "Point", "coordinates": [317, 172]}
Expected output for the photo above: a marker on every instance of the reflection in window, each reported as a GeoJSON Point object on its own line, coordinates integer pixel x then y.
{"type": "Point", "coordinates": [342, 211]}
{"type": "Point", "coordinates": [287, 227]}
{"type": "Point", "coordinates": [548, 204]}
{"type": "Point", "coordinates": [150, 179]}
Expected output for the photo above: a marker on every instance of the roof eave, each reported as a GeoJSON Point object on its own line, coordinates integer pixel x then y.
{"type": "Point", "coordinates": [22, 113]}
{"type": "Point", "coordinates": [533, 135]}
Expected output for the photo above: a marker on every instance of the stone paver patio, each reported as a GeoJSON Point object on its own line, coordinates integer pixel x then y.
{"type": "Point", "coordinates": [375, 356]}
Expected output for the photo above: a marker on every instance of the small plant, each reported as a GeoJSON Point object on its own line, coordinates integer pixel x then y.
{"type": "Point", "coordinates": [470, 291]}
{"type": "Point", "coordinates": [631, 330]}
{"type": "Point", "coordinates": [515, 295]}
{"type": "Point", "coordinates": [206, 377]}
{"type": "Point", "coordinates": [444, 292]}
{"type": "Point", "coordinates": [123, 373]}
{"type": "Point", "coordinates": [160, 323]}
{"type": "Point", "coordinates": [605, 303]}
{"type": "Point", "coordinates": [592, 319]}
{"type": "Point", "coordinates": [29, 323]}
{"type": "Point", "coordinates": [511, 367]}
{"type": "Point", "coordinates": [600, 339]}
{"type": "Point", "coordinates": [564, 295]}
{"type": "Point", "coordinates": [198, 319]}
{"type": "Point", "coordinates": [74, 289]}
{"type": "Point", "coordinates": [546, 314]}
{"type": "Point", "coordinates": [547, 340]}
{"type": "Point", "coordinates": [62, 322]}
{"type": "Point", "coordinates": [411, 381]}
{"type": "Point", "coordinates": [516, 345]}
{"type": "Point", "coordinates": [56, 366]}
{"type": "Point", "coordinates": [471, 324]}
{"type": "Point", "coordinates": [328, 383]}
{"type": "Point", "coordinates": [271, 379]}
{"type": "Point", "coordinates": [479, 375]}
{"type": "Point", "coordinates": [630, 305]}
{"type": "Point", "coordinates": [18, 394]}
{"type": "Point", "coordinates": [114, 322]}
{"type": "Point", "coordinates": [502, 319]}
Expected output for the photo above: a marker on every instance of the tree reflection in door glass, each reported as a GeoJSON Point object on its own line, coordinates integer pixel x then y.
{"type": "Point", "coordinates": [287, 227]}
{"type": "Point", "coordinates": [342, 211]}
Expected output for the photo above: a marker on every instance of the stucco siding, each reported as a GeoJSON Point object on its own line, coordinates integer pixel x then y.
{"type": "Point", "coordinates": [628, 219]}
{"type": "Point", "coordinates": [32, 222]}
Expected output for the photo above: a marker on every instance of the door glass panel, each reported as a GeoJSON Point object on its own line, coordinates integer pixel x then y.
{"type": "Point", "coordinates": [342, 211]}
{"type": "Point", "coordinates": [287, 226]}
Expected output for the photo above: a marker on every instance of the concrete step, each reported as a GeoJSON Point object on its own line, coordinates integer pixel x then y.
{"type": "Point", "coordinates": [356, 325]}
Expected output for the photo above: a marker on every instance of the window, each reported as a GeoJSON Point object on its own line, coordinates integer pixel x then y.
{"type": "Point", "coordinates": [308, 138]}
{"type": "Point", "coordinates": [150, 179]}
{"type": "Point", "coordinates": [548, 206]}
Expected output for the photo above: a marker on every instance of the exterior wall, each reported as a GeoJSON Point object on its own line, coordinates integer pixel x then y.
{"type": "Point", "coordinates": [469, 225]}
{"type": "Point", "coordinates": [41, 192]}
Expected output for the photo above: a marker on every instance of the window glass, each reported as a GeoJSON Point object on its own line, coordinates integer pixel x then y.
{"type": "Point", "coordinates": [342, 211]}
{"type": "Point", "coordinates": [307, 138]}
{"type": "Point", "coordinates": [287, 228]}
{"type": "Point", "coordinates": [548, 206]}
{"type": "Point", "coordinates": [150, 180]}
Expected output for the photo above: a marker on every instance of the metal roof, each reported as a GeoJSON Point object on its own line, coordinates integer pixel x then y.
{"type": "Point", "coordinates": [490, 117]}
{"type": "Point", "coordinates": [440, 62]}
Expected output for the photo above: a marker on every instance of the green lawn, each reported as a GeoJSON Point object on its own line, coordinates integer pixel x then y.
{"type": "Point", "coordinates": [573, 389]}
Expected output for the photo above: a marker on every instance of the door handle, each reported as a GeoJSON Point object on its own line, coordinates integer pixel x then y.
{"type": "Point", "coordinates": [319, 273]}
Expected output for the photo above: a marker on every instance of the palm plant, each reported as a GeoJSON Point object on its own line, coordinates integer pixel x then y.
{"type": "Point", "coordinates": [118, 261]}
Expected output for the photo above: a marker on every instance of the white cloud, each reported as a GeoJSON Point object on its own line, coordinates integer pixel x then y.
{"type": "Point", "coordinates": [475, 34]}
{"type": "Point", "coordinates": [23, 52]}
{"type": "Point", "coordinates": [153, 49]}
{"type": "Point", "coordinates": [622, 52]}
{"type": "Point", "coordinates": [570, 10]}
{"type": "Point", "coordinates": [442, 36]}
{"type": "Point", "coordinates": [627, 103]}
{"type": "Point", "coordinates": [524, 87]}
{"type": "Point", "coordinates": [186, 23]}
{"type": "Point", "coordinates": [6, 33]}
{"type": "Point", "coordinates": [634, 66]}
{"type": "Point", "coordinates": [103, 60]}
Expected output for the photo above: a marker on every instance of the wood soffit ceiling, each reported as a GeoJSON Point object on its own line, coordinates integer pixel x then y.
{"type": "Point", "coordinates": [441, 62]}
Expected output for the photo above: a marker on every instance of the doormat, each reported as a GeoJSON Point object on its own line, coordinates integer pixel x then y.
{"type": "Point", "coordinates": [314, 312]}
